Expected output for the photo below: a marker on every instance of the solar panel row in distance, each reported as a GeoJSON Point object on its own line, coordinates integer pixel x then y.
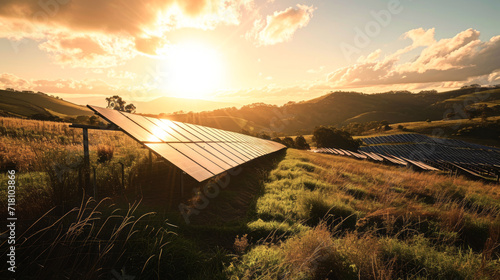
{"type": "Point", "coordinates": [200, 151]}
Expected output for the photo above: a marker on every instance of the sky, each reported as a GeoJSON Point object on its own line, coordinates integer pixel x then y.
{"type": "Point", "coordinates": [246, 51]}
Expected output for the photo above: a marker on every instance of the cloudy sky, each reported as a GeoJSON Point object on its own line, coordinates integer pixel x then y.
{"type": "Point", "coordinates": [246, 51]}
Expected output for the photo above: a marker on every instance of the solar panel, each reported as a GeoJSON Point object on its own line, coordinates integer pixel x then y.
{"type": "Point", "coordinates": [171, 129]}
{"type": "Point", "coordinates": [198, 132]}
{"type": "Point", "coordinates": [200, 156]}
{"type": "Point", "coordinates": [180, 160]}
{"type": "Point", "coordinates": [155, 129]}
{"type": "Point", "coordinates": [127, 125]}
{"type": "Point", "coordinates": [202, 152]}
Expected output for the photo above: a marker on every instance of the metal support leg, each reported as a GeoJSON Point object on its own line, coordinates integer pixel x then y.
{"type": "Point", "coordinates": [86, 161]}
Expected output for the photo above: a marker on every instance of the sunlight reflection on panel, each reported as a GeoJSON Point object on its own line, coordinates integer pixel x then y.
{"type": "Point", "coordinates": [200, 151]}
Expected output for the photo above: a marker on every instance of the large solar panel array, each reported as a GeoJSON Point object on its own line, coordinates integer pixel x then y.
{"type": "Point", "coordinates": [436, 152]}
{"type": "Point", "coordinates": [429, 153]}
{"type": "Point", "coordinates": [202, 152]}
{"type": "Point", "coordinates": [419, 138]}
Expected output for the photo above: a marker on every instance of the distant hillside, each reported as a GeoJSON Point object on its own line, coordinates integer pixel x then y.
{"type": "Point", "coordinates": [166, 105]}
{"type": "Point", "coordinates": [340, 108]}
{"type": "Point", "coordinates": [337, 108]}
{"type": "Point", "coordinates": [28, 104]}
{"type": "Point", "coordinates": [175, 104]}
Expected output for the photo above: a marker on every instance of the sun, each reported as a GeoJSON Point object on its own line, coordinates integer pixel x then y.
{"type": "Point", "coordinates": [195, 70]}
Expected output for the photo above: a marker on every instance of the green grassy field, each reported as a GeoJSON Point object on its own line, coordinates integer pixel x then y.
{"type": "Point", "coordinates": [324, 216]}
{"type": "Point", "coordinates": [291, 215]}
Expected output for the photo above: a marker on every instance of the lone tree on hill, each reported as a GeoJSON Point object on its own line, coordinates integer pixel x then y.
{"type": "Point", "coordinates": [117, 103]}
{"type": "Point", "coordinates": [330, 137]}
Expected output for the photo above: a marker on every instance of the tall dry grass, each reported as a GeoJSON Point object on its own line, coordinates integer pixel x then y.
{"type": "Point", "coordinates": [88, 242]}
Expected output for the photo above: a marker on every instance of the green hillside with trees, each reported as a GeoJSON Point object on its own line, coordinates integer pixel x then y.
{"type": "Point", "coordinates": [352, 110]}
{"type": "Point", "coordinates": [342, 108]}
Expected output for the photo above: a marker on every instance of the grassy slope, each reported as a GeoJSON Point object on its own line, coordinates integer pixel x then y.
{"type": "Point", "coordinates": [381, 223]}
{"type": "Point", "coordinates": [27, 104]}
{"type": "Point", "coordinates": [487, 96]}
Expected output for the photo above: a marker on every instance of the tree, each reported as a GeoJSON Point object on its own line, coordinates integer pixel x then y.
{"type": "Point", "coordinates": [301, 143]}
{"type": "Point", "coordinates": [93, 120]}
{"type": "Point", "coordinates": [277, 139]}
{"type": "Point", "coordinates": [329, 137]}
{"type": "Point", "coordinates": [130, 108]}
{"type": "Point", "coordinates": [264, 135]}
{"type": "Point", "coordinates": [288, 142]}
{"type": "Point", "coordinates": [117, 103]}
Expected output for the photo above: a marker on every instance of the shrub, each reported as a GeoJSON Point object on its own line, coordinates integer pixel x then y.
{"type": "Point", "coordinates": [301, 143]}
{"type": "Point", "coordinates": [334, 138]}
{"type": "Point", "coordinates": [241, 243]}
{"type": "Point", "coordinates": [309, 255]}
{"type": "Point", "coordinates": [312, 255]}
{"type": "Point", "coordinates": [288, 142]}
{"type": "Point", "coordinates": [104, 153]}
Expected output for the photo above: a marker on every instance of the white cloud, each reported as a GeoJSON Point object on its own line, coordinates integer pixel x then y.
{"type": "Point", "coordinates": [281, 26]}
{"type": "Point", "coordinates": [95, 33]}
{"type": "Point", "coordinates": [459, 58]}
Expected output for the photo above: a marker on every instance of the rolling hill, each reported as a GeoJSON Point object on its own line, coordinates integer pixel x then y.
{"type": "Point", "coordinates": [28, 104]}
{"type": "Point", "coordinates": [173, 104]}
{"type": "Point", "coordinates": [166, 104]}
{"type": "Point", "coordinates": [337, 108]}
{"type": "Point", "coordinates": [340, 108]}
